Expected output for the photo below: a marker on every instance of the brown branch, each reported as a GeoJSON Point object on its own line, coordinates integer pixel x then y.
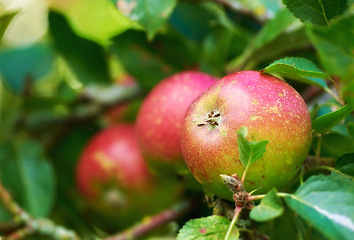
{"type": "Point", "coordinates": [11, 206]}
{"type": "Point", "coordinates": [155, 221]}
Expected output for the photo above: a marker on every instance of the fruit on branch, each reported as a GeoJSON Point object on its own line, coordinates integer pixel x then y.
{"type": "Point", "coordinates": [161, 115]}
{"type": "Point", "coordinates": [271, 110]}
{"type": "Point", "coordinates": [113, 177]}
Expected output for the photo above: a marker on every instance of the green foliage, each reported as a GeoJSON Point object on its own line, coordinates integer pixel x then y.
{"type": "Point", "coordinates": [28, 175]}
{"type": "Point", "coordinates": [345, 164]}
{"type": "Point", "coordinates": [335, 53]}
{"type": "Point", "coordinates": [26, 65]}
{"type": "Point", "coordinates": [274, 28]}
{"type": "Point", "coordinates": [249, 152]}
{"type": "Point", "coordinates": [317, 12]}
{"type": "Point", "coordinates": [86, 58]}
{"type": "Point", "coordinates": [5, 20]}
{"type": "Point", "coordinates": [299, 69]}
{"type": "Point", "coordinates": [324, 123]}
{"type": "Point", "coordinates": [213, 227]}
{"type": "Point", "coordinates": [100, 27]}
{"type": "Point", "coordinates": [52, 101]}
{"type": "Point", "coordinates": [326, 202]}
{"type": "Point", "coordinates": [151, 14]}
{"type": "Point", "coordinates": [269, 208]}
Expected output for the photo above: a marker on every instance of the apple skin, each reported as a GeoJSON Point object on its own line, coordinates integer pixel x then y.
{"type": "Point", "coordinates": [113, 177]}
{"type": "Point", "coordinates": [271, 110]}
{"type": "Point", "coordinates": [160, 117]}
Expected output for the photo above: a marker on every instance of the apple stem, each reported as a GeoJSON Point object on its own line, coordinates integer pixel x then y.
{"type": "Point", "coordinates": [244, 173]}
{"type": "Point", "coordinates": [261, 196]}
{"type": "Point", "coordinates": [238, 210]}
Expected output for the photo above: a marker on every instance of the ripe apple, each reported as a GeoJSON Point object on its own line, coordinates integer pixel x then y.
{"type": "Point", "coordinates": [271, 110]}
{"type": "Point", "coordinates": [113, 177]}
{"type": "Point", "coordinates": [161, 115]}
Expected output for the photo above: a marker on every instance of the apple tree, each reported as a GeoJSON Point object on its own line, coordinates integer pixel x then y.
{"type": "Point", "coordinates": [176, 119]}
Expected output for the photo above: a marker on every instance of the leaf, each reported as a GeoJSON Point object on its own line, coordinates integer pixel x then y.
{"type": "Point", "coordinates": [149, 63]}
{"type": "Point", "coordinates": [326, 202]}
{"type": "Point", "coordinates": [28, 176]}
{"type": "Point", "coordinates": [282, 227]}
{"type": "Point", "coordinates": [282, 20]}
{"type": "Point", "coordinates": [335, 145]}
{"type": "Point", "coordinates": [96, 20]}
{"type": "Point", "coordinates": [5, 21]}
{"type": "Point", "coordinates": [151, 14]}
{"type": "Point", "coordinates": [336, 53]}
{"type": "Point", "coordinates": [25, 65]}
{"type": "Point", "coordinates": [269, 208]}
{"type": "Point", "coordinates": [350, 127]}
{"type": "Point", "coordinates": [221, 16]}
{"type": "Point", "coordinates": [249, 152]}
{"type": "Point", "coordinates": [212, 227]}
{"type": "Point", "coordinates": [85, 58]}
{"type": "Point", "coordinates": [324, 123]}
{"type": "Point", "coordinates": [216, 48]}
{"type": "Point", "coordinates": [191, 20]}
{"type": "Point", "coordinates": [345, 164]}
{"type": "Point", "coordinates": [318, 12]}
{"type": "Point", "coordinates": [299, 69]}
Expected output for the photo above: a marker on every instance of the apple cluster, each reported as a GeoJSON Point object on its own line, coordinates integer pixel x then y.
{"type": "Point", "coordinates": [190, 121]}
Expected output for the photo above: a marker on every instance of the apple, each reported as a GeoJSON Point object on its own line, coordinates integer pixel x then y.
{"type": "Point", "coordinates": [160, 117]}
{"type": "Point", "coordinates": [270, 109]}
{"type": "Point", "coordinates": [113, 177]}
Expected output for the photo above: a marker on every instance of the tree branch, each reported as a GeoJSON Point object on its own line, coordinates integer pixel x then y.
{"type": "Point", "coordinates": [155, 221]}
{"type": "Point", "coordinates": [41, 226]}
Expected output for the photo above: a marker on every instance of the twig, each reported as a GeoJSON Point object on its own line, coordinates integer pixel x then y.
{"type": "Point", "coordinates": [11, 206]}
{"type": "Point", "coordinates": [41, 226]}
{"type": "Point", "coordinates": [238, 210]}
{"type": "Point", "coordinates": [155, 221]}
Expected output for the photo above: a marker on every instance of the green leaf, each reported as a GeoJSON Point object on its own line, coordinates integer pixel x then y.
{"type": "Point", "coordinates": [28, 176]}
{"type": "Point", "coordinates": [336, 53]}
{"type": "Point", "coordinates": [216, 49]}
{"type": "Point", "coordinates": [305, 230]}
{"type": "Point", "coordinates": [324, 123]}
{"type": "Point", "coordinates": [96, 20]}
{"type": "Point", "coordinates": [25, 65]}
{"type": "Point", "coordinates": [318, 12]}
{"type": "Point", "coordinates": [299, 69]}
{"type": "Point", "coordinates": [85, 58]}
{"type": "Point", "coordinates": [151, 14]}
{"type": "Point", "coordinates": [350, 127]}
{"type": "Point", "coordinates": [213, 227]}
{"type": "Point", "coordinates": [150, 64]}
{"type": "Point", "coordinates": [282, 227]}
{"type": "Point", "coordinates": [326, 202]}
{"type": "Point", "coordinates": [335, 145]}
{"type": "Point", "coordinates": [5, 21]}
{"type": "Point", "coordinates": [345, 164]}
{"type": "Point", "coordinates": [221, 16]}
{"type": "Point", "coordinates": [249, 152]}
{"type": "Point", "coordinates": [281, 21]}
{"type": "Point", "coordinates": [269, 208]}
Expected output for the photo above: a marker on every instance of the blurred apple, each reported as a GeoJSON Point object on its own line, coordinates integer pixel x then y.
{"type": "Point", "coordinates": [113, 178]}
{"type": "Point", "coordinates": [160, 117]}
